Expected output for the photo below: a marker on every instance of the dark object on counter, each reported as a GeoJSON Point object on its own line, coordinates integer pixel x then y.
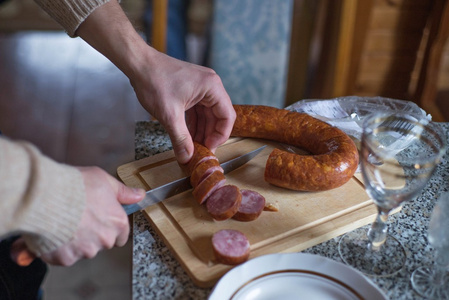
{"type": "Point", "coordinates": [16, 282]}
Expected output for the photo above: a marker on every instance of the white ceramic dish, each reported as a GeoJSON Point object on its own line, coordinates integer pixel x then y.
{"type": "Point", "coordinates": [294, 276]}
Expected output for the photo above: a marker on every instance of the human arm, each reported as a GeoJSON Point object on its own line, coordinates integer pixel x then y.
{"type": "Point", "coordinates": [63, 213]}
{"type": "Point", "coordinates": [189, 100]}
{"type": "Point", "coordinates": [165, 87]}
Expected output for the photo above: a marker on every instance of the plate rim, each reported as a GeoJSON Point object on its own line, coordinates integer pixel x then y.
{"type": "Point", "coordinates": [227, 286]}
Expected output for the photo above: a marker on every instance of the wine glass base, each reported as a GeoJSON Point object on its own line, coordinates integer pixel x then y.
{"type": "Point", "coordinates": [424, 283]}
{"type": "Point", "coordinates": [355, 250]}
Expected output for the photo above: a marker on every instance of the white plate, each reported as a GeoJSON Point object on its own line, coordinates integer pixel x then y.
{"type": "Point", "coordinates": [294, 276]}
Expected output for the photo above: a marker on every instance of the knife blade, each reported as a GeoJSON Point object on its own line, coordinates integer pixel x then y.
{"type": "Point", "coordinates": [168, 190]}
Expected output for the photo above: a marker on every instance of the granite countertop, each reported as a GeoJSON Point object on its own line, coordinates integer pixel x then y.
{"type": "Point", "coordinates": [156, 274]}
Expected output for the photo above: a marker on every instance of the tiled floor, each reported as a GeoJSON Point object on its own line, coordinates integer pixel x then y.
{"type": "Point", "coordinates": [72, 103]}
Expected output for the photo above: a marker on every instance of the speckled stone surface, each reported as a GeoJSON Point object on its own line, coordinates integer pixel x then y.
{"type": "Point", "coordinates": [158, 275]}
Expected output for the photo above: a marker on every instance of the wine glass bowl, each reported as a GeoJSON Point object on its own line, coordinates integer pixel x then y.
{"type": "Point", "coordinates": [398, 155]}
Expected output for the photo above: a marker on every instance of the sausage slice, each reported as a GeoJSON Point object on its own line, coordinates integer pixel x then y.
{"type": "Point", "coordinates": [251, 207]}
{"type": "Point", "coordinates": [200, 154]}
{"type": "Point", "coordinates": [203, 170]}
{"type": "Point", "coordinates": [231, 247]}
{"type": "Point", "coordinates": [210, 184]}
{"type": "Point", "coordinates": [224, 202]}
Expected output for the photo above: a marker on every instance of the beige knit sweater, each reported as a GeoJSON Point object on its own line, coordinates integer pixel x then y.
{"type": "Point", "coordinates": [70, 13]}
{"type": "Point", "coordinates": [40, 199]}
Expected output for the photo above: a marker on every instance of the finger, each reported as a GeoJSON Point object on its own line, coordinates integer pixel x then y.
{"type": "Point", "coordinates": [219, 136]}
{"type": "Point", "coordinates": [200, 124]}
{"type": "Point", "coordinates": [191, 120]}
{"type": "Point", "coordinates": [181, 140]}
{"type": "Point", "coordinates": [224, 123]}
{"type": "Point", "coordinates": [209, 129]}
{"type": "Point", "coordinates": [20, 253]}
{"type": "Point", "coordinates": [128, 195]}
{"type": "Point", "coordinates": [122, 237]}
{"type": "Point", "coordinates": [63, 256]}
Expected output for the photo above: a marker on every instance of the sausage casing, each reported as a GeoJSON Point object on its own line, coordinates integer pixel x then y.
{"type": "Point", "coordinates": [200, 154]}
{"type": "Point", "coordinates": [333, 157]}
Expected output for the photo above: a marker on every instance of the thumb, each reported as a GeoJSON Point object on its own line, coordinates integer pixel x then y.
{"type": "Point", "coordinates": [181, 140]}
{"type": "Point", "coordinates": [128, 195]}
{"type": "Point", "coordinates": [20, 253]}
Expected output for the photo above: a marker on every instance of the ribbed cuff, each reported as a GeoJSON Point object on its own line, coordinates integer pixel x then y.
{"type": "Point", "coordinates": [70, 13]}
{"type": "Point", "coordinates": [58, 201]}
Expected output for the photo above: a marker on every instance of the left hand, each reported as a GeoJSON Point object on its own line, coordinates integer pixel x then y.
{"type": "Point", "coordinates": [189, 101]}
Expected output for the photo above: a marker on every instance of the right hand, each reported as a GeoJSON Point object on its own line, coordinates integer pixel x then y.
{"type": "Point", "coordinates": [104, 223]}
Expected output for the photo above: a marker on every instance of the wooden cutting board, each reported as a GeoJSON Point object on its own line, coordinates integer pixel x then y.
{"type": "Point", "coordinates": [304, 219]}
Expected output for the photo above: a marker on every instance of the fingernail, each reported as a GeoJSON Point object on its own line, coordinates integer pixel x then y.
{"type": "Point", "coordinates": [138, 191]}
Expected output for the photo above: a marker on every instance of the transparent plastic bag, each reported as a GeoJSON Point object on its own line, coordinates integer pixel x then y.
{"type": "Point", "coordinates": [348, 113]}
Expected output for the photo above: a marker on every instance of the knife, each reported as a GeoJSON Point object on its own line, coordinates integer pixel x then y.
{"type": "Point", "coordinates": [168, 190]}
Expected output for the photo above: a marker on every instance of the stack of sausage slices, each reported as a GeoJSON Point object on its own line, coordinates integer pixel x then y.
{"type": "Point", "coordinates": [223, 201]}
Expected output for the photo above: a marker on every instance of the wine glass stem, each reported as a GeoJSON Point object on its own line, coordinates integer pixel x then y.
{"type": "Point", "coordinates": [439, 268]}
{"type": "Point", "coordinates": [377, 234]}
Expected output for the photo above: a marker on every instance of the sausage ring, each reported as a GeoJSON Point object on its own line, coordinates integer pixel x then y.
{"type": "Point", "coordinates": [334, 157]}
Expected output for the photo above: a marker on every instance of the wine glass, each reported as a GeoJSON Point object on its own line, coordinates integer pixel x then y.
{"type": "Point", "coordinates": [434, 282]}
{"type": "Point", "coordinates": [398, 156]}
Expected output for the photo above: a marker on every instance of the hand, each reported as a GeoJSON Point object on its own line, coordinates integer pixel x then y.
{"type": "Point", "coordinates": [167, 88]}
{"type": "Point", "coordinates": [104, 223]}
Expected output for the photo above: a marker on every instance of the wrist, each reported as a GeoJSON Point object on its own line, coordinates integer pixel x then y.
{"type": "Point", "coordinates": [138, 59]}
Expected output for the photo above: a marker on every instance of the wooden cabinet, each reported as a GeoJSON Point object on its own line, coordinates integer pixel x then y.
{"type": "Point", "coordinates": [389, 48]}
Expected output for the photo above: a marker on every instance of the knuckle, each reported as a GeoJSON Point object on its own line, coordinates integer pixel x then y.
{"type": "Point", "coordinates": [68, 263]}
{"type": "Point", "coordinates": [90, 252]}
{"type": "Point", "coordinates": [123, 224]}
{"type": "Point", "coordinates": [66, 260]}
{"type": "Point", "coordinates": [108, 242]}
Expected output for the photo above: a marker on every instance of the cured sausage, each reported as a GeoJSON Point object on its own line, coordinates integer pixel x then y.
{"type": "Point", "coordinates": [200, 154]}
{"type": "Point", "coordinates": [203, 170]}
{"type": "Point", "coordinates": [251, 207]}
{"type": "Point", "coordinates": [224, 202]}
{"type": "Point", "coordinates": [334, 157]}
{"type": "Point", "coordinates": [230, 247]}
{"type": "Point", "coordinates": [210, 184]}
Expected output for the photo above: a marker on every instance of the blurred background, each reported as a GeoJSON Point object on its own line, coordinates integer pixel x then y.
{"type": "Point", "coordinates": [78, 108]}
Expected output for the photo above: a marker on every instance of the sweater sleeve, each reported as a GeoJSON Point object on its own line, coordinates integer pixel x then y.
{"type": "Point", "coordinates": [41, 199]}
{"type": "Point", "coordinates": [70, 13]}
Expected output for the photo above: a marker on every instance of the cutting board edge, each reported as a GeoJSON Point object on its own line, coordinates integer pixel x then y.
{"type": "Point", "coordinates": [195, 267]}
